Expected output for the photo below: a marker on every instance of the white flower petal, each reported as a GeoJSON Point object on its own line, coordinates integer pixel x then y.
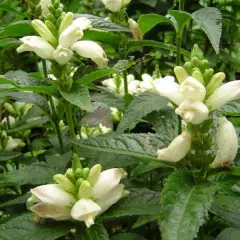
{"type": "Point", "coordinates": [14, 143]}
{"type": "Point", "coordinates": [107, 180]}
{"type": "Point", "coordinates": [44, 5]}
{"type": "Point", "coordinates": [227, 92]}
{"type": "Point", "coordinates": [177, 149]}
{"type": "Point", "coordinates": [53, 194]}
{"type": "Point", "coordinates": [85, 210]}
{"type": "Point", "coordinates": [227, 144]}
{"type": "Point", "coordinates": [133, 87]}
{"type": "Point", "coordinates": [113, 5]}
{"type": "Point", "coordinates": [62, 55]}
{"type": "Point", "coordinates": [83, 23]}
{"type": "Point", "coordinates": [194, 112]}
{"type": "Point", "coordinates": [38, 45]}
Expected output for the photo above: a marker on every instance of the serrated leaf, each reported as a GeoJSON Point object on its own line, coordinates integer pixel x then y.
{"type": "Point", "coordinates": [6, 155]}
{"type": "Point", "coordinates": [36, 173]}
{"type": "Point", "coordinates": [28, 98]}
{"type": "Point", "coordinates": [210, 20]}
{"type": "Point", "coordinates": [128, 236]}
{"type": "Point", "coordinates": [17, 29]}
{"type": "Point", "coordinates": [228, 208]}
{"type": "Point", "coordinates": [23, 227]}
{"type": "Point", "coordinates": [144, 219]}
{"type": "Point", "coordinates": [93, 76]}
{"type": "Point", "coordinates": [231, 109]}
{"type": "Point", "coordinates": [147, 21]}
{"type": "Point", "coordinates": [142, 146]}
{"type": "Point", "coordinates": [139, 202]}
{"type": "Point", "coordinates": [18, 200]}
{"type": "Point", "coordinates": [31, 124]}
{"type": "Point", "coordinates": [229, 234]}
{"type": "Point", "coordinates": [109, 98]}
{"type": "Point", "coordinates": [150, 43]}
{"type": "Point", "coordinates": [95, 232]}
{"type": "Point", "coordinates": [184, 206]}
{"type": "Point", "coordinates": [78, 96]}
{"type": "Point", "coordinates": [165, 123]}
{"type": "Point", "coordinates": [100, 22]}
{"type": "Point", "coordinates": [142, 105]}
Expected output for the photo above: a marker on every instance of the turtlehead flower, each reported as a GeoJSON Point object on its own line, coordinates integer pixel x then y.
{"type": "Point", "coordinates": [227, 92]}
{"type": "Point", "coordinates": [87, 132]}
{"type": "Point", "coordinates": [11, 120]}
{"type": "Point", "coordinates": [136, 31]}
{"type": "Point", "coordinates": [82, 23]}
{"type": "Point", "coordinates": [44, 5]}
{"type": "Point", "coordinates": [96, 192]}
{"type": "Point", "coordinates": [147, 83]}
{"type": "Point", "coordinates": [115, 5]}
{"type": "Point", "coordinates": [227, 144]}
{"type": "Point", "coordinates": [13, 143]}
{"type": "Point", "coordinates": [177, 150]}
{"type": "Point", "coordinates": [62, 55]}
{"type": "Point", "coordinates": [116, 114]}
{"type": "Point", "coordinates": [191, 111]}
{"type": "Point", "coordinates": [38, 45]}
{"type": "Point", "coordinates": [92, 50]}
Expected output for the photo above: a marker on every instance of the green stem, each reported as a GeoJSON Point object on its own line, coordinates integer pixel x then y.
{"type": "Point", "coordinates": [54, 113]}
{"type": "Point", "coordinates": [70, 124]}
{"type": "Point", "coordinates": [125, 84]}
{"type": "Point", "coordinates": [179, 44]}
{"type": "Point", "coordinates": [181, 4]}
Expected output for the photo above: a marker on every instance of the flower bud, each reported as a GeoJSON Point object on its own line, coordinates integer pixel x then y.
{"type": "Point", "coordinates": [227, 144]}
{"type": "Point", "coordinates": [44, 32]}
{"type": "Point", "coordinates": [115, 5]}
{"type": "Point", "coordinates": [65, 183]}
{"type": "Point", "coordinates": [51, 18]}
{"type": "Point", "coordinates": [85, 190]}
{"type": "Point", "coordinates": [215, 82]}
{"type": "Point", "coordinates": [51, 27]}
{"type": "Point", "coordinates": [62, 55]}
{"type": "Point", "coordinates": [90, 49]}
{"type": "Point", "coordinates": [227, 92]}
{"type": "Point", "coordinates": [195, 62]}
{"type": "Point", "coordinates": [188, 67]}
{"type": "Point", "coordinates": [208, 75]}
{"type": "Point", "coordinates": [85, 173]}
{"type": "Point", "coordinates": [180, 73]}
{"type": "Point", "coordinates": [66, 21]}
{"type": "Point", "coordinates": [27, 133]}
{"type": "Point", "coordinates": [58, 12]}
{"type": "Point", "coordinates": [77, 162]}
{"type": "Point", "coordinates": [70, 175]}
{"type": "Point", "coordinates": [51, 9]}
{"type": "Point", "coordinates": [204, 64]}
{"type": "Point", "coordinates": [136, 31]}
{"type": "Point", "coordinates": [78, 172]}
{"type": "Point", "coordinates": [7, 106]}
{"type": "Point", "coordinates": [13, 143]}
{"type": "Point", "coordinates": [194, 112]}
{"type": "Point", "coordinates": [198, 75]}
{"type": "Point", "coordinates": [196, 52]}
{"type": "Point", "coordinates": [79, 182]}
{"type": "Point", "coordinates": [94, 174]}
{"type": "Point", "coordinates": [177, 149]}
{"type": "Point", "coordinates": [116, 114]}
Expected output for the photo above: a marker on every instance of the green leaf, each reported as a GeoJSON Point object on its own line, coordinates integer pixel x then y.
{"type": "Point", "coordinates": [5, 156]}
{"type": "Point", "coordinates": [139, 202]}
{"type": "Point", "coordinates": [17, 29]}
{"type": "Point", "coordinates": [31, 124]}
{"type": "Point", "coordinates": [10, 9]}
{"type": "Point", "coordinates": [128, 236]}
{"type": "Point", "coordinates": [231, 109]}
{"type": "Point", "coordinates": [144, 219]}
{"type": "Point", "coordinates": [229, 234]}
{"type": "Point", "coordinates": [93, 76]}
{"type": "Point", "coordinates": [142, 146]}
{"type": "Point", "coordinates": [99, 22]}
{"type": "Point", "coordinates": [23, 227]}
{"type": "Point", "coordinates": [36, 173]}
{"type": "Point", "coordinates": [142, 105]}
{"type": "Point", "coordinates": [228, 208]}
{"type": "Point", "coordinates": [148, 21]}
{"type": "Point", "coordinates": [210, 20]}
{"type": "Point", "coordinates": [150, 43]}
{"type": "Point", "coordinates": [28, 98]}
{"type": "Point", "coordinates": [79, 96]}
{"type": "Point", "coordinates": [109, 98]}
{"type": "Point", "coordinates": [165, 123]}
{"type": "Point", "coordinates": [59, 162]}
{"type": "Point", "coordinates": [4, 80]}
{"type": "Point", "coordinates": [19, 200]}
{"type": "Point", "coordinates": [184, 206]}
{"type": "Point", "coordinates": [95, 232]}
{"type": "Point", "coordinates": [9, 43]}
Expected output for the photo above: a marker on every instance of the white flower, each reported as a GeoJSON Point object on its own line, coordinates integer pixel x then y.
{"type": "Point", "coordinates": [11, 121]}
{"type": "Point", "coordinates": [116, 114]}
{"type": "Point", "coordinates": [227, 144]}
{"type": "Point", "coordinates": [177, 149]}
{"type": "Point", "coordinates": [227, 92]}
{"type": "Point", "coordinates": [115, 5]}
{"type": "Point", "coordinates": [147, 83]}
{"type": "Point", "coordinates": [70, 36]}
{"type": "Point", "coordinates": [194, 112]}
{"type": "Point", "coordinates": [110, 83]}
{"type": "Point", "coordinates": [90, 49]}
{"type": "Point", "coordinates": [52, 202]}
{"type": "Point", "coordinates": [136, 31]}
{"type": "Point", "coordinates": [133, 87]}
{"type": "Point", "coordinates": [44, 5]}
{"type": "Point", "coordinates": [83, 23]}
{"type": "Point", "coordinates": [38, 45]}
{"type": "Point", "coordinates": [85, 210]}
{"type": "Point", "coordinates": [14, 143]}
{"type": "Point", "coordinates": [62, 55]}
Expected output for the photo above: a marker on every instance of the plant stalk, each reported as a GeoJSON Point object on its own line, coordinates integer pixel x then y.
{"type": "Point", "coordinates": [54, 113]}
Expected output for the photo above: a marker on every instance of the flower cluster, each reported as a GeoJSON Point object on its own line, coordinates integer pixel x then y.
{"type": "Point", "coordinates": [80, 196]}
{"type": "Point", "coordinates": [115, 5]}
{"type": "Point", "coordinates": [69, 32]}
{"type": "Point", "coordinates": [196, 96]}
